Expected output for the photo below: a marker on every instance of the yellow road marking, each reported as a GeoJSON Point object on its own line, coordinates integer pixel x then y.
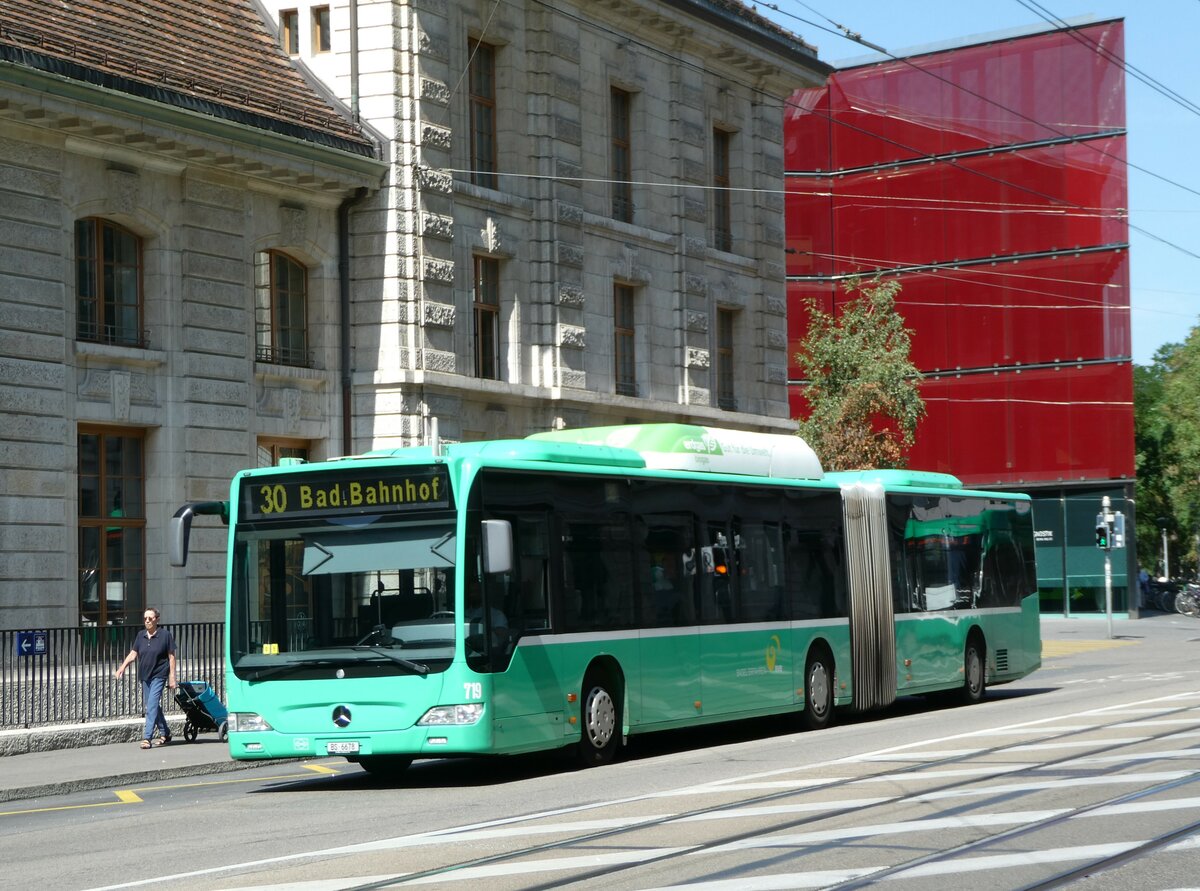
{"type": "Point", "coordinates": [1054, 648]}
{"type": "Point", "coordinates": [129, 796]}
{"type": "Point", "coordinates": [124, 796]}
{"type": "Point", "coordinates": [319, 768]}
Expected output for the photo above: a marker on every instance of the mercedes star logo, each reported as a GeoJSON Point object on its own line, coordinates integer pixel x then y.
{"type": "Point", "coordinates": [341, 716]}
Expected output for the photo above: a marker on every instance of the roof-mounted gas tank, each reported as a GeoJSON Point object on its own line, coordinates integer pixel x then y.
{"type": "Point", "coordinates": [705, 449]}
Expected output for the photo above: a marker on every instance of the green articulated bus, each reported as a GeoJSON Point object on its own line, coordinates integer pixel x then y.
{"type": "Point", "coordinates": [575, 587]}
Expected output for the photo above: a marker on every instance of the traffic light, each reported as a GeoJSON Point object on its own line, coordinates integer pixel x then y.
{"type": "Point", "coordinates": [1102, 536]}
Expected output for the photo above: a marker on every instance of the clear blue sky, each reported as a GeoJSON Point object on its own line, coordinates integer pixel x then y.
{"type": "Point", "coordinates": [1164, 137]}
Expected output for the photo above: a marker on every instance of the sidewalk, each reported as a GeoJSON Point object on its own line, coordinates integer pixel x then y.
{"type": "Point", "coordinates": [75, 764]}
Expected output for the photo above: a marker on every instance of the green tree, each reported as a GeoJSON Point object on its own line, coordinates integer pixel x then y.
{"type": "Point", "coordinates": [1176, 424]}
{"type": "Point", "coordinates": [1153, 435]}
{"type": "Point", "coordinates": [863, 390]}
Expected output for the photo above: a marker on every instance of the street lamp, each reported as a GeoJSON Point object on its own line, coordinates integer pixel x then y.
{"type": "Point", "coordinates": [1162, 524]}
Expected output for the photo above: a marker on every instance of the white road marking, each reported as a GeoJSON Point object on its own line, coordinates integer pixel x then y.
{"type": "Point", "coordinates": [554, 864]}
{"type": "Point", "coordinates": [1078, 744]}
{"type": "Point", "coordinates": [1041, 785]}
{"type": "Point", "coordinates": [962, 821]}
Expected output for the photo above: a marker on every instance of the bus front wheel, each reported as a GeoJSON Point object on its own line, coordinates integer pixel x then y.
{"type": "Point", "coordinates": [601, 717]}
{"type": "Point", "coordinates": [974, 679]}
{"type": "Point", "coordinates": [818, 692]}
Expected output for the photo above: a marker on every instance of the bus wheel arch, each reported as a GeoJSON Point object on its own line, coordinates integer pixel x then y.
{"type": "Point", "coordinates": [974, 667]}
{"type": "Point", "coordinates": [601, 713]}
{"type": "Point", "coordinates": [819, 673]}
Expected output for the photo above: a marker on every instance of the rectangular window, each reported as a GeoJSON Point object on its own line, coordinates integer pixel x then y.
{"type": "Point", "coordinates": [280, 310]}
{"type": "Point", "coordinates": [112, 526]}
{"type": "Point", "coordinates": [722, 226]}
{"type": "Point", "coordinates": [487, 318]}
{"type": "Point", "coordinates": [272, 451]}
{"type": "Point", "coordinates": [321, 34]}
{"type": "Point", "coordinates": [289, 31]}
{"type": "Point", "coordinates": [623, 341]}
{"type": "Point", "coordinates": [482, 78]}
{"type": "Point", "coordinates": [725, 397]}
{"type": "Point", "coordinates": [622, 163]}
{"type": "Point", "coordinates": [108, 284]}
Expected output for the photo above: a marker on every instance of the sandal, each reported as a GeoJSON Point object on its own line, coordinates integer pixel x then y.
{"type": "Point", "coordinates": [145, 744]}
{"type": "Point", "coordinates": [161, 741]}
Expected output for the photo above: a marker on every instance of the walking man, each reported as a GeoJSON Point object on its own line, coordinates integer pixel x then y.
{"type": "Point", "coordinates": [154, 651]}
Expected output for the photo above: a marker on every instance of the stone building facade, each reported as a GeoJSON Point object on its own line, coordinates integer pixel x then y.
{"type": "Point", "coordinates": [135, 208]}
{"type": "Point", "coordinates": [509, 217]}
{"type": "Point", "coordinates": [500, 125]}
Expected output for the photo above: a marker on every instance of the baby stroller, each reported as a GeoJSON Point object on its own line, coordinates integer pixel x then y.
{"type": "Point", "coordinates": [202, 710]}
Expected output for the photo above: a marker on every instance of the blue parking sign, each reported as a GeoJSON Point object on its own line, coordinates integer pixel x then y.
{"type": "Point", "coordinates": [31, 643]}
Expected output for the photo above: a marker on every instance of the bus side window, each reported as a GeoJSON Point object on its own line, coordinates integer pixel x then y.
{"type": "Point", "coordinates": [533, 567]}
{"type": "Point", "coordinates": [760, 571]}
{"type": "Point", "coordinates": [667, 570]}
{"type": "Point", "coordinates": [597, 573]}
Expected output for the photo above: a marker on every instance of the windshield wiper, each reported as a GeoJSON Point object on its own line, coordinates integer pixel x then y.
{"type": "Point", "coordinates": [258, 674]}
{"type": "Point", "coordinates": [418, 667]}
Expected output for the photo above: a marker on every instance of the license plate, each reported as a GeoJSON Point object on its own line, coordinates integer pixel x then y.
{"type": "Point", "coordinates": [342, 748]}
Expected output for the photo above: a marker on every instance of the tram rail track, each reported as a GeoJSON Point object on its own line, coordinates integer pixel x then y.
{"type": "Point", "coordinates": [1102, 747]}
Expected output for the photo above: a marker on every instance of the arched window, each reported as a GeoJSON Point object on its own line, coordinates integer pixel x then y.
{"type": "Point", "coordinates": [280, 314]}
{"type": "Point", "coordinates": [108, 283]}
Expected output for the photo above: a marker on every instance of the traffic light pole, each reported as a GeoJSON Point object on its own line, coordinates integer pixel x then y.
{"type": "Point", "coordinates": [1104, 539]}
{"type": "Point", "coordinates": [1108, 590]}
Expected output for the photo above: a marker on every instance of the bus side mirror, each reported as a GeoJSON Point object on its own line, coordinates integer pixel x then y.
{"type": "Point", "coordinates": [179, 530]}
{"type": "Point", "coordinates": [497, 546]}
{"type": "Point", "coordinates": [179, 527]}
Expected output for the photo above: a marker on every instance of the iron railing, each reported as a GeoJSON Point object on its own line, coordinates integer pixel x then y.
{"type": "Point", "coordinates": [65, 675]}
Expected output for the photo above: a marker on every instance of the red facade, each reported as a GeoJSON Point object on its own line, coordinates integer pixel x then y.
{"type": "Point", "coordinates": [991, 179]}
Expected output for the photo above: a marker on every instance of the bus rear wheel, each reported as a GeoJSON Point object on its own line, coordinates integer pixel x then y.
{"type": "Point", "coordinates": [818, 692]}
{"type": "Point", "coordinates": [974, 679]}
{"type": "Point", "coordinates": [600, 714]}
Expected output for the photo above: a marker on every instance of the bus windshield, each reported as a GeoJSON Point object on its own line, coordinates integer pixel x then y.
{"type": "Point", "coordinates": [370, 601]}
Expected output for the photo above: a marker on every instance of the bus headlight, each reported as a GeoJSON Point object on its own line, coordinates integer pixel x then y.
{"type": "Point", "coordinates": [247, 722]}
{"type": "Point", "coordinates": [452, 714]}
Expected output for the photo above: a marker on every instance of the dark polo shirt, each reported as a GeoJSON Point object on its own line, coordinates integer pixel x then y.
{"type": "Point", "coordinates": [152, 654]}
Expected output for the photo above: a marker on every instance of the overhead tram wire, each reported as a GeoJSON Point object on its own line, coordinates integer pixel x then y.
{"type": "Point", "coordinates": [924, 270]}
{"type": "Point", "coordinates": [785, 104]}
{"type": "Point", "coordinates": [1105, 53]}
{"type": "Point", "coordinates": [857, 38]}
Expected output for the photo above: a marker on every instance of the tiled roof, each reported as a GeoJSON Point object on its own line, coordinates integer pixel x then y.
{"type": "Point", "coordinates": [212, 56]}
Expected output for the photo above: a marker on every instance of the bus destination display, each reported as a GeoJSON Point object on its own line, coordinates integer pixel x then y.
{"type": "Point", "coordinates": [384, 490]}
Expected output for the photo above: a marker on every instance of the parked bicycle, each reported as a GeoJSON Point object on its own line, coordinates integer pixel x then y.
{"type": "Point", "coordinates": [1187, 601]}
{"type": "Point", "coordinates": [1161, 595]}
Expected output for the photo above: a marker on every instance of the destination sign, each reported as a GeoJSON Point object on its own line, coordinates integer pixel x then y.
{"type": "Point", "coordinates": [379, 490]}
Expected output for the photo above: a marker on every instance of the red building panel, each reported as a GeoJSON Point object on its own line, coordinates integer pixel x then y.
{"type": "Point", "coordinates": [1035, 426]}
{"type": "Point", "coordinates": [1009, 237]}
{"type": "Point", "coordinates": [1064, 308]}
{"type": "Point", "coordinates": [1012, 202]}
{"type": "Point", "coordinates": [1032, 89]}
{"type": "Point", "coordinates": [1041, 425]}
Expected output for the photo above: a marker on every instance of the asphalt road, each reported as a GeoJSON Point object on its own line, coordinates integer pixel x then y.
{"type": "Point", "coordinates": [1088, 771]}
